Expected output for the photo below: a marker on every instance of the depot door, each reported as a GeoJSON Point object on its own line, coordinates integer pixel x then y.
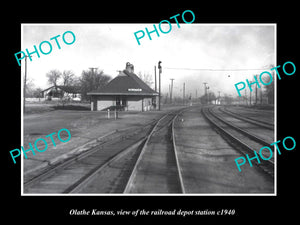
{"type": "Point", "coordinates": [121, 101]}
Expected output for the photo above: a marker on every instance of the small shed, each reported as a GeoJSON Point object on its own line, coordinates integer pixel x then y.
{"type": "Point", "coordinates": [125, 92]}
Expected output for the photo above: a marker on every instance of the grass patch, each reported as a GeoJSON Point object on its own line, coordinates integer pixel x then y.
{"type": "Point", "coordinates": [42, 107]}
{"type": "Point", "coordinates": [71, 107]}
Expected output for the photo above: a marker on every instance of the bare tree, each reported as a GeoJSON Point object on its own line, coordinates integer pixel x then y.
{"type": "Point", "coordinates": [53, 76]}
{"type": "Point", "coordinates": [76, 81]}
{"type": "Point", "coordinates": [29, 87]}
{"type": "Point", "coordinates": [147, 78]}
{"type": "Point", "coordinates": [92, 80]}
{"type": "Point", "coordinates": [36, 93]}
{"type": "Point", "coordinates": [68, 78]}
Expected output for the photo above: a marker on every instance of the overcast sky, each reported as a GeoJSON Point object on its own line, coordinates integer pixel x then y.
{"type": "Point", "coordinates": [192, 46]}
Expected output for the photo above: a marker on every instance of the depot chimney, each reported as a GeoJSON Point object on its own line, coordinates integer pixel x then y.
{"type": "Point", "coordinates": [129, 67]}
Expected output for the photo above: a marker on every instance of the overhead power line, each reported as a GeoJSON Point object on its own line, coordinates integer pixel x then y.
{"type": "Point", "coordinates": [172, 68]}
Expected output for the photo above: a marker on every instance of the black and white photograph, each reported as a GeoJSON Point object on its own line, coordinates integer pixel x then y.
{"type": "Point", "coordinates": [145, 113]}
{"type": "Point", "coordinates": [173, 115]}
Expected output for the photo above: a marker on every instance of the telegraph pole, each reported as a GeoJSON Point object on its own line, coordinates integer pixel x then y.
{"type": "Point", "coordinates": [207, 94]}
{"type": "Point", "coordinates": [171, 93]}
{"type": "Point", "coordinates": [25, 81]}
{"type": "Point", "coordinates": [183, 97]}
{"type": "Point", "coordinates": [155, 77]}
{"type": "Point", "coordinates": [159, 87]}
{"type": "Point", "coordinates": [92, 69]}
{"type": "Point", "coordinates": [256, 93]}
{"type": "Point", "coordinates": [246, 96]}
{"type": "Point", "coordinates": [94, 78]}
{"type": "Point", "coordinates": [261, 96]}
{"type": "Point", "coordinates": [250, 97]}
{"type": "Point", "coordinates": [205, 90]}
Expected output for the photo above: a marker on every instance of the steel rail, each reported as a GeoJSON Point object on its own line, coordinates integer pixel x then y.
{"type": "Point", "coordinates": [82, 181]}
{"type": "Point", "coordinates": [81, 155]}
{"type": "Point", "coordinates": [251, 136]}
{"type": "Point", "coordinates": [134, 171]}
{"type": "Point", "coordinates": [77, 186]}
{"type": "Point", "coordinates": [247, 134]}
{"type": "Point", "coordinates": [267, 166]}
{"type": "Point", "coordinates": [176, 155]}
{"type": "Point", "coordinates": [249, 120]}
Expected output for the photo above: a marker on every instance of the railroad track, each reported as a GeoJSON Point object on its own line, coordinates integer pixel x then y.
{"type": "Point", "coordinates": [256, 122]}
{"type": "Point", "coordinates": [157, 169]}
{"type": "Point", "coordinates": [106, 168]}
{"type": "Point", "coordinates": [257, 132]}
{"type": "Point", "coordinates": [240, 139]}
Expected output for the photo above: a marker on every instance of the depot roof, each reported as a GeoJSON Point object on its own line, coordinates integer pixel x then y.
{"type": "Point", "coordinates": [126, 83]}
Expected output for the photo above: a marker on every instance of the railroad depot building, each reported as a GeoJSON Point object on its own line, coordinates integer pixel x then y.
{"type": "Point", "coordinates": [126, 92]}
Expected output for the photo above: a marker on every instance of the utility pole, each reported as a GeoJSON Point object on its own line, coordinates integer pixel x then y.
{"type": "Point", "coordinates": [155, 77]}
{"type": "Point", "coordinates": [183, 90]}
{"type": "Point", "coordinates": [261, 96]}
{"type": "Point", "coordinates": [92, 69]}
{"type": "Point", "coordinates": [256, 93]}
{"type": "Point", "coordinates": [159, 88]}
{"type": "Point", "coordinates": [250, 97]}
{"type": "Point", "coordinates": [207, 94]}
{"type": "Point", "coordinates": [25, 81]}
{"type": "Point", "coordinates": [246, 100]}
{"type": "Point", "coordinates": [205, 91]}
{"type": "Point", "coordinates": [171, 93]}
{"type": "Point", "coordinates": [94, 78]}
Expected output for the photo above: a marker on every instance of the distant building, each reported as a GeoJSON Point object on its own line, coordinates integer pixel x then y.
{"type": "Point", "coordinates": [72, 93]}
{"type": "Point", "coordinates": [125, 92]}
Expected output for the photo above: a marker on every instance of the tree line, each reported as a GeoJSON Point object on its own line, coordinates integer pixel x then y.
{"type": "Point", "coordinates": [88, 81]}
